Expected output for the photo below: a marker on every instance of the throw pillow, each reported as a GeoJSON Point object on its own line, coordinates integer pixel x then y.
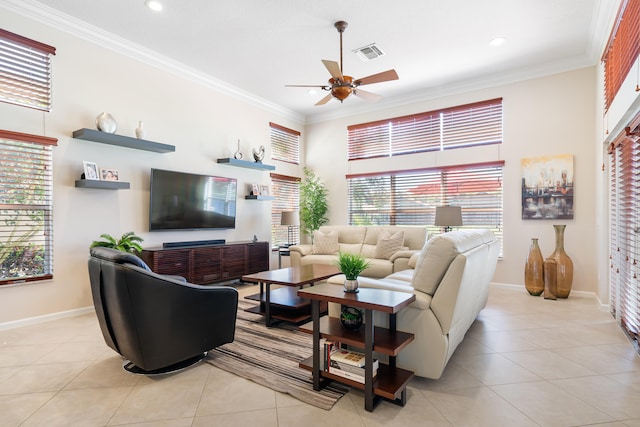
{"type": "Point", "coordinates": [388, 244]}
{"type": "Point", "coordinates": [325, 244]}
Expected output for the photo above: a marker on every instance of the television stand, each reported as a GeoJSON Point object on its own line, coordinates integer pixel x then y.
{"type": "Point", "coordinates": [205, 264]}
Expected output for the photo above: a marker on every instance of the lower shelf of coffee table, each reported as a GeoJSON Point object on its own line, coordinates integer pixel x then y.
{"type": "Point", "coordinates": [285, 305]}
{"type": "Point", "coordinates": [389, 383]}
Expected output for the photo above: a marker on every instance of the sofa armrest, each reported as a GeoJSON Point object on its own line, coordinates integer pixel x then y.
{"type": "Point", "coordinates": [401, 259]}
{"type": "Point", "coordinates": [303, 250]}
{"type": "Point", "coordinates": [403, 254]}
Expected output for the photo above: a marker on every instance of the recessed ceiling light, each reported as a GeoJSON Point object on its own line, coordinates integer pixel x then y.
{"type": "Point", "coordinates": [312, 92]}
{"type": "Point", "coordinates": [154, 5]}
{"type": "Point", "coordinates": [498, 41]}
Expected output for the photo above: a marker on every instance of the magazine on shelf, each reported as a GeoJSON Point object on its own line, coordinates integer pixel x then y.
{"type": "Point", "coordinates": [351, 372]}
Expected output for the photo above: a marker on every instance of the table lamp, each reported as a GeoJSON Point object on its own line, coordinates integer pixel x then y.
{"type": "Point", "coordinates": [448, 216]}
{"type": "Point", "coordinates": [290, 219]}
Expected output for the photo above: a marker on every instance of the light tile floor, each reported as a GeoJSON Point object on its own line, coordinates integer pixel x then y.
{"type": "Point", "coordinates": [526, 361]}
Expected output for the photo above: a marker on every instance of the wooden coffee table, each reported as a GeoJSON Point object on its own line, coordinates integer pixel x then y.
{"type": "Point", "coordinates": [284, 303]}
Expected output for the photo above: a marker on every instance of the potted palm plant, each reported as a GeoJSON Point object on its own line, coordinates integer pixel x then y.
{"type": "Point", "coordinates": [128, 242]}
{"type": "Point", "coordinates": [351, 265]}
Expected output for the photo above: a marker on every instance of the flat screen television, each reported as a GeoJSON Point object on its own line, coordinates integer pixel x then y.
{"type": "Point", "coordinates": [186, 201]}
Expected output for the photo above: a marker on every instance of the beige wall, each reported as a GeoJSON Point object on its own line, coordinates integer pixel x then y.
{"type": "Point", "coordinates": [545, 116]}
{"type": "Point", "coordinates": [202, 123]}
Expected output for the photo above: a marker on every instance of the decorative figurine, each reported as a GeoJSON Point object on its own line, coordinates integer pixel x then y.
{"type": "Point", "coordinates": [259, 155]}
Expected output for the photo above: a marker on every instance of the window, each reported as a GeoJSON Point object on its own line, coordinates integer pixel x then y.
{"type": "Point", "coordinates": [26, 189]}
{"type": "Point", "coordinates": [25, 71]}
{"type": "Point", "coordinates": [285, 144]}
{"type": "Point", "coordinates": [463, 126]}
{"type": "Point", "coordinates": [411, 197]}
{"type": "Point", "coordinates": [624, 217]}
{"type": "Point", "coordinates": [286, 190]}
{"type": "Point", "coordinates": [622, 49]}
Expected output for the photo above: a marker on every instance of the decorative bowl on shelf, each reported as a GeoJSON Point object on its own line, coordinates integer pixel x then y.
{"type": "Point", "coordinates": [351, 318]}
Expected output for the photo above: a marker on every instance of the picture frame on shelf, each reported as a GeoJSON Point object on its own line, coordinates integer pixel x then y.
{"type": "Point", "coordinates": [255, 190]}
{"type": "Point", "coordinates": [90, 170]}
{"type": "Point", "coordinates": [264, 190]}
{"type": "Point", "coordinates": [108, 174]}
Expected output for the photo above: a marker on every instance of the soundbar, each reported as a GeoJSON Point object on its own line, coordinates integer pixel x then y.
{"type": "Point", "coordinates": [194, 243]}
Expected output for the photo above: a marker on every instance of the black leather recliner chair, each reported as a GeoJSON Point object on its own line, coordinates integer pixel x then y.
{"type": "Point", "coordinates": [158, 323]}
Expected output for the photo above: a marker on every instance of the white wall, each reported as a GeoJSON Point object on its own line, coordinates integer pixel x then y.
{"type": "Point", "coordinates": [202, 123]}
{"type": "Point", "coordinates": [545, 116]}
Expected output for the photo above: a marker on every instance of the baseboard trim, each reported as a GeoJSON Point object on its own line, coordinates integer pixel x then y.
{"type": "Point", "coordinates": [45, 318]}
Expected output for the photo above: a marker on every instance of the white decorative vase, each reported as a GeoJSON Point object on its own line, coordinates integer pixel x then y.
{"type": "Point", "coordinates": [351, 286]}
{"type": "Point", "coordinates": [140, 131]}
{"type": "Point", "coordinates": [106, 123]}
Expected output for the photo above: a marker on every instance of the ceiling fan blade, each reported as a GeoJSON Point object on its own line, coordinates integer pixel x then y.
{"type": "Point", "coordinates": [334, 69]}
{"type": "Point", "coordinates": [324, 100]}
{"type": "Point", "coordinates": [367, 96]}
{"type": "Point", "coordinates": [384, 76]}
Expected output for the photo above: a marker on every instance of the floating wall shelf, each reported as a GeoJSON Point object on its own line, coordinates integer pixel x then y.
{"type": "Point", "coordinates": [246, 164]}
{"type": "Point", "coordinates": [104, 185]}
{"type": "Point", "coordinates": [122, 141]}
{"type": "Point", "coordinates": [252, 197]}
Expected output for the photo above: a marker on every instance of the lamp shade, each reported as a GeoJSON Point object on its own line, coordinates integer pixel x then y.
{"type": "Point", "coordinates": [290, 218]}
{"type": "Point", "coordinates": [448, 216]}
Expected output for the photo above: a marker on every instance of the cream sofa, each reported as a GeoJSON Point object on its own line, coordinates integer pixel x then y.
{"type": "Point", "coordinates": [387, 248]}
{"type": "Point", "coordinates": [450, 277]}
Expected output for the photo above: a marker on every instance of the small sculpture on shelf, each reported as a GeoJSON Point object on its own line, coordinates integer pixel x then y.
{"type": "Point", "coordinates": [106, 123]}
{"type": "Point", "coordinates": [140, 130]}
{"type": "Point", "coordinates": [238, 155]}
{"type": "Point", "coordinates": [259, 155]}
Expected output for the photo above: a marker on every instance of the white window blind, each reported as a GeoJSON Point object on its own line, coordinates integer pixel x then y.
{"type": "Point", "coordinates": [285, 144]}
{"type": "Point", "coordinates": [624, 220]}
{"type": "Point", "coordinates": [286, 190]}
{"type": "Point", "coordinates": [462, 126]}
{"type": "Point", "coordinates": [25, 71]}
{"type": "Point", "coordinates": [411, 197]}
{"type": "Point", "coordinates": [26, 187]}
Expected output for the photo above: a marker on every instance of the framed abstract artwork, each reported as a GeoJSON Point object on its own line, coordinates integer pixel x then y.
{"type": "Point", "coordinates": [547, 187]}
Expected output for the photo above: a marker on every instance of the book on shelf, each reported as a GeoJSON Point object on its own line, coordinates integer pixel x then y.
{"type": "Point", "coordinates": [351, 372]}
{"type": "Point", "coordinates": [348, 357]}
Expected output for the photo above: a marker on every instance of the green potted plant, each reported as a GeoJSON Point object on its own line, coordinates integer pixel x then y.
{"type": "Point", "coordinates": [128, 242]}
{"type": "Point", "coordinates": [351, 265]}
{"type": "Point", "coordinates": [313, 203]}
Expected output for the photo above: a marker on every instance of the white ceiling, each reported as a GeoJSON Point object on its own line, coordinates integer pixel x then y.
{"type": "Point", "coordinates": [436, 46]}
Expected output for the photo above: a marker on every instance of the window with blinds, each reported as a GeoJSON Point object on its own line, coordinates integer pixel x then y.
{"type": "Point", "coordinates": [411, 197]}
{"type": "Point", "coordinates": [624, 220]}
{"type": "Point", "coordinates": [285, 144]}
{"type": "Point", "coordinates": [623, 48]}
{"type": "Point", "coordinates": [456, 127]}
{"type": "Point", "coordinates": [26, 223]}
{"type": "Point", "coordinates": [286, 190]}
{"type": "Point", "coordinates": [25, 71]}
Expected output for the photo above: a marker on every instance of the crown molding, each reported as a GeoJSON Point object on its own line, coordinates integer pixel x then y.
{"type": "Point", "coordinates": [48, 16]}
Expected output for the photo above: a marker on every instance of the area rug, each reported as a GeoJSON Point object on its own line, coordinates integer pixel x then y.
{"type": "Point", "coordinates": [270, 357]}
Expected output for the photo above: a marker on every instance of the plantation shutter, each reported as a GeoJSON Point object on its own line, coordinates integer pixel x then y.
{"type": "Point", "coordinates": [622, 49]}
{"type": "Point", "coordinates": [286, 190]}
{"type": "Point", "coordinates": [26, 187]}
{"type": "Point", "coordinates": [411, 197]}
{"type": "Point", "coordinates": [25, 71]}
{"type": "Point", "coordinates": [624, 218]}
{"type": "Point", "coordinates": [285, 144]}
{"type": "Point", "coordinates": [462, 126]}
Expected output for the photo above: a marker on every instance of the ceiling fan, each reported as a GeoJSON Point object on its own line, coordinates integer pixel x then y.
{"type": "Point", "coordinates": [341, 86]}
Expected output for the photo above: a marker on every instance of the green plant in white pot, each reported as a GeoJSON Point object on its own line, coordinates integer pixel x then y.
{"type": "Point", "coordinates": [351, 265]}
{"type": "Point", "coordinates": [128, 242]}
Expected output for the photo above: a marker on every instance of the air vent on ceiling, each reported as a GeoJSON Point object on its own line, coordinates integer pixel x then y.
{"type": "Point", "coordinates": [369, 52]}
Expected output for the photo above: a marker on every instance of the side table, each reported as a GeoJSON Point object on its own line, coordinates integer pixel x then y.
{"type": "Point", "coordinates": [391, 382]}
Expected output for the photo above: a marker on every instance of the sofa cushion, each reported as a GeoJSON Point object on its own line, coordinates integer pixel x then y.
{"type": "Point", "coordinates": [388, 244]}
{"type": "Point", "coordinates": [325, 243]}
{"type": "Point", "coordinates": [432, 263]}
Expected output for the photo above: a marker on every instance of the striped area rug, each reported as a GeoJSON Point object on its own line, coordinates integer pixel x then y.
{"type": "Point", "coordinates": [270, 356]}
